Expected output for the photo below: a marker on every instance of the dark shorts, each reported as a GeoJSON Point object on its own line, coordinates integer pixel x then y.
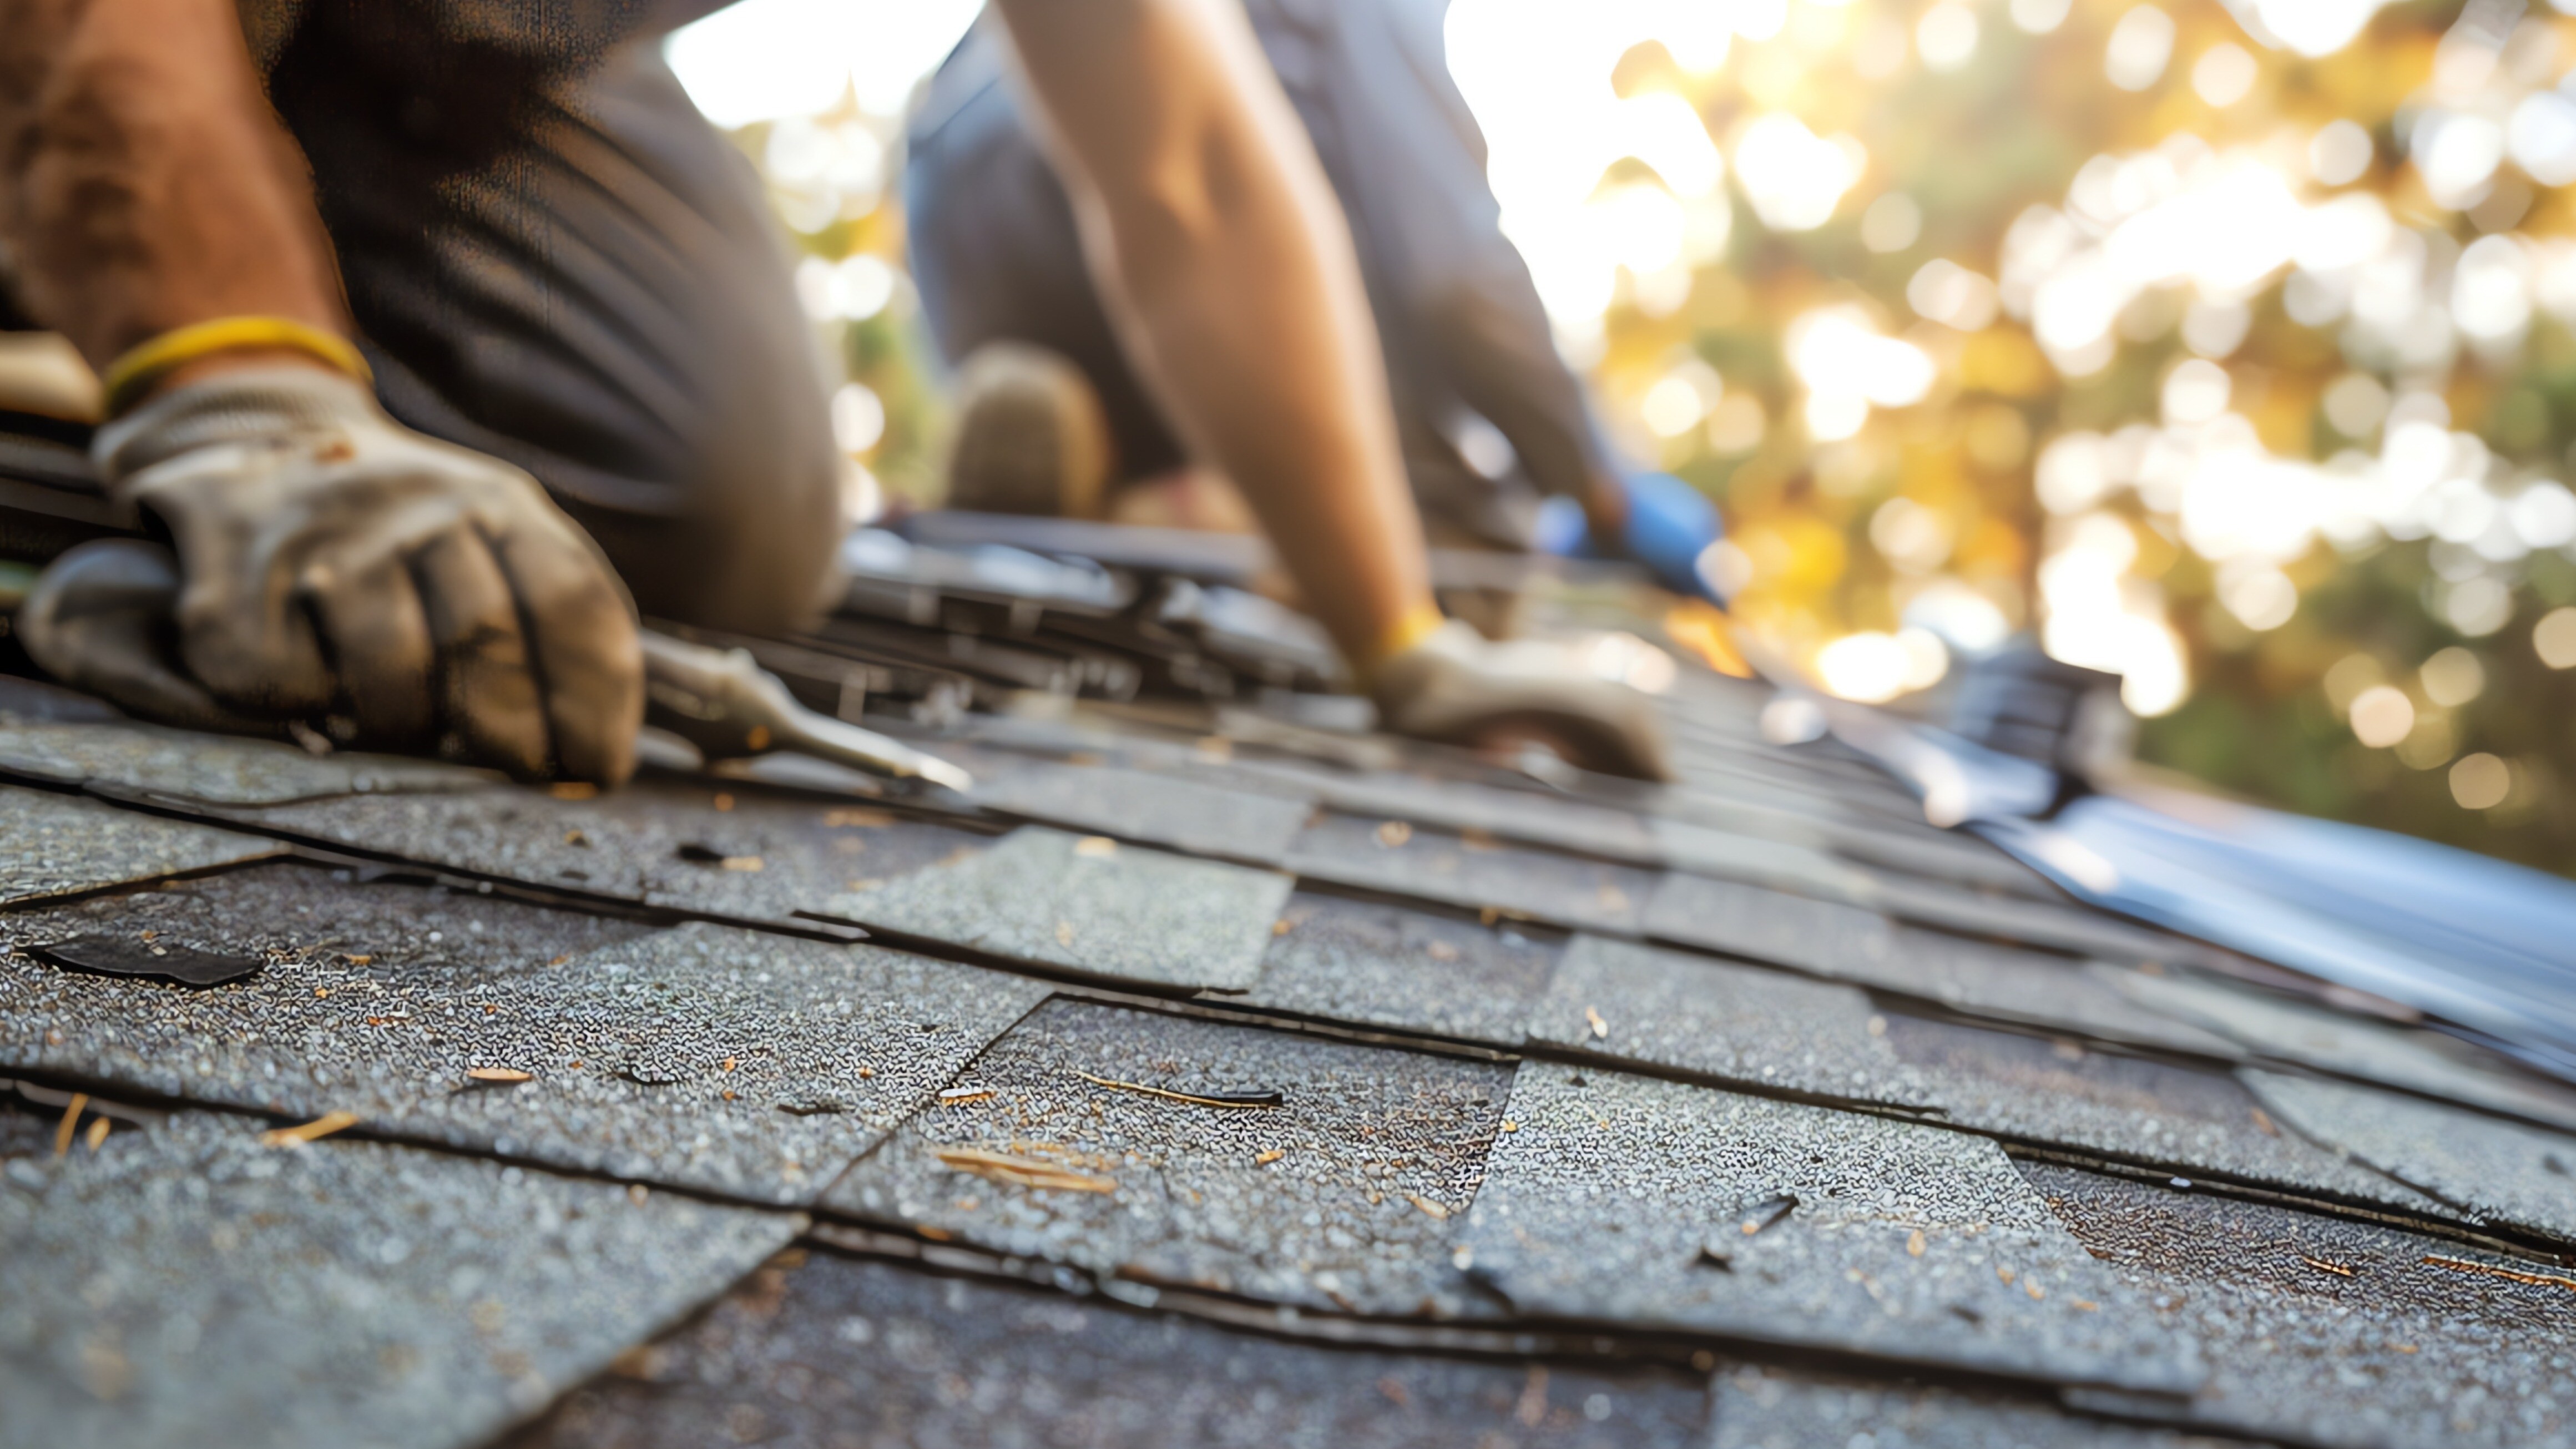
{"type": "Point", "coordinates": [553, 258]}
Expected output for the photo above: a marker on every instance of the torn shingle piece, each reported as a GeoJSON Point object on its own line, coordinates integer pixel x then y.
{"type": "Point", "coordinates": [1828, 938]}
{"type": "Point", "coordinates": [183, 1285]}
{"type": "Point", "coordinates": [1137, 914]}
{"type": "Point", "coordinates": [1601, 1207]}
{"type": "Point", "coordinates": [809, 1348]}
{"type": "Point", "coordinates": [1754, 1408]}
{"type": "Point", "coordinates": [2504, 1172]}
{"type": "Point", "coordinates": [54, 845]}
{"type": "Point", "coordinates": [109, 955]}
{"type": "Point", "coordinates": [1328, 1225]}
{"type": "Point", "coordinates": [2328, 1331]}
{"type": "Point", "coordinates": [1375, 964]}
{"type": "Point", "coordinates": [150, 761]}
{"type": "Point", "coordinates": [1666, 1008]}
{"type": "Point", "coordinates": [1475, 871]}
{"type": "Point", "coordinates": [1149, 806]}
{"type": "Point", "coordinates": [679, 1056]}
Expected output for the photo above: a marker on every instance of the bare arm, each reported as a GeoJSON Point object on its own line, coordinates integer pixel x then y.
{"type": "Point", "coordinates": [144, 183]}
{"type": "Point", "coordinates": [1230, 273]}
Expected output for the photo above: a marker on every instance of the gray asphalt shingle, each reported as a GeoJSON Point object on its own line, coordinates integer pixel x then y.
{"type": "Point", "coordinates": [1616, 1198]}
{"type": "Point", "coordinates": [735, 1062]}
{"type": "Point", "coordinates": [184, 1285]}
{"type": "Point", "coordinates": [1340, 1196]}
{"type": "Point", "coordinates": [58, 845]}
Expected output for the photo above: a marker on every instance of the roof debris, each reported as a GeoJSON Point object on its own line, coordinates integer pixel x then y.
{"type": "Point", "coordinates": [1195, 1099]}
{"type": "Point", "coordinates": [71, 1118]}
{"type": "Point", "coordinates": [104, 955]}
{"type": "Point", "coordinates": [2464, 1265]}
{"type": "Point", "coordinates": [1030, 1172]}
{"type": "Point", "coordinates": [313, 1131]}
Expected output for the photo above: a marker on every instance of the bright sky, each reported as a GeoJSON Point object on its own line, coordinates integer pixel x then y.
{"type": "Point", "coordinates": [1536, 72]}
{"type": "Point", "coordinates": [766, 60]}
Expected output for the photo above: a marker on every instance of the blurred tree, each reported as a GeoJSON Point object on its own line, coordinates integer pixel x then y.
{"type": "Point", "coordinates": [2227, 346]}
{"type": "Point", "coordinates": [2228, 349]}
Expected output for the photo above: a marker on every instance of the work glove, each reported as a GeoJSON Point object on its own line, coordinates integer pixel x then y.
{"type": "Point", "coordinates": [1457, 687]}
{"type": "Point", "coordinates": [1670, 527]}
{"type": "Point", "coordinates": [335, 564]}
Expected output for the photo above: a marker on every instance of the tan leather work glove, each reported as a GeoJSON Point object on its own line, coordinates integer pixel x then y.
{"type": "Point", "coordinates": [336, 563]}
{"type": "Point", "coordinates": [1457, 687]}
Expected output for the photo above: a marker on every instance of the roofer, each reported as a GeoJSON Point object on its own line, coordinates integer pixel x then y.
{"type": "Point", "coordinates": [434, 333]}
{"type": "Point", "coordinates": [1467, 348]}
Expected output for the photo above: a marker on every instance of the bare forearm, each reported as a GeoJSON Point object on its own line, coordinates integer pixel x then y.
{"type": "Point", "coordinates": [1230, 271]}
{"type": "Point", "coordinates": [144, 182]}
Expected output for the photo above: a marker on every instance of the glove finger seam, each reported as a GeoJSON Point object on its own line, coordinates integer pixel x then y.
{"type": "Point", "coordinates": [532, 651]}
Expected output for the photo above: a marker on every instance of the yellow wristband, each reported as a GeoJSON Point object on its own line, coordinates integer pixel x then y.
{"type": "Point", "coordinates": [1417, 624]}
{"type": "Point", "coordinates": [130, 376]}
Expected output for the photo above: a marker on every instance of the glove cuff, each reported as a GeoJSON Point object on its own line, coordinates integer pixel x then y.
{"type": "Point", "coordinates": [252, 404]}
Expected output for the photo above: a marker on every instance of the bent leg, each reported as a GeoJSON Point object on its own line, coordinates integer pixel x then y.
{"type": "Point", "coordinates": [996, 254]}
{"type": "Point", "coordinates": [572, 271]}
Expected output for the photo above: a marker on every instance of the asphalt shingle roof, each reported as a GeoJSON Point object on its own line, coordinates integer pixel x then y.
{"type": "Point", "coordinates": [1754, 1111]}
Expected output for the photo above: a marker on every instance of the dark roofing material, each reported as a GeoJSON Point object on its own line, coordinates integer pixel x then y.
{"type": "Point", "coordinates": [1541, 1055]}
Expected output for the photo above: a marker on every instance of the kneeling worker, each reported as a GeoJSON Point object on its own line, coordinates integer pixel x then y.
{"type": "Point", "coordinates": [438, 337]}
{"type": "Point", "coordinates": [1053, 417]}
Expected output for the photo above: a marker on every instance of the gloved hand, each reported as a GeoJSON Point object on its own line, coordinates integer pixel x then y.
{"type": "Point", "coordinates": [335, 562]}
{"type": "Point", "coordinates": [1669, 525]}
{"type": "Point", "coordinates": [1458, 688]}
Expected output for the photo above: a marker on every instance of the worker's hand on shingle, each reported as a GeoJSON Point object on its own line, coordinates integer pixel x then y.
{"type": "Point", "coordinates": [1457, 687]}
{"type": "Point", "coordinates": [337, 563]}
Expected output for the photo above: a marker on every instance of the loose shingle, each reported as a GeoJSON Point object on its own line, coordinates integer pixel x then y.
{"type": "Point", "coordinates": [1376, 964]}
{"type": "Point", "coordinates": [184, 1285]}
{"type": "Point", "coordinates": [2504, 1172]}
{"type": "Point", "coordinates": [56, 845]}
{"type": "Point", "coordinates": [2333, 1332]}
{"type": "Point", "coordinates": [1395, 856]}
{"type": "Point", "coordinates": [1052, 899]}
{"type": "Point", "coordinates": [1340, 1196]}
{"type": "Point", "coordinates": [725, 1060]}
{"type": "Point", "coordinates": [818, 1345]}
{"type": "Point", "coordinates": [1626, 1199]}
